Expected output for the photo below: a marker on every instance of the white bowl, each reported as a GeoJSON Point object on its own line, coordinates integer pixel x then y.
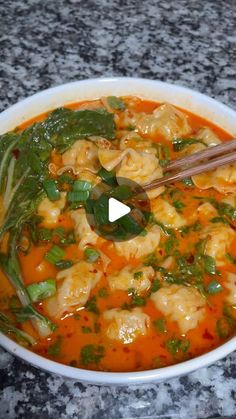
{"type": "Point", "coordinates": [188, 99]}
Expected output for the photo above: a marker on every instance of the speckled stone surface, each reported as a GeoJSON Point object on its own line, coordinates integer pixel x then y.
{"type": "Point", "coordinates": [48, 42]}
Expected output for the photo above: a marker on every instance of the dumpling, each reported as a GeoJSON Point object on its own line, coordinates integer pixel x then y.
{"type": "Point", "coordinates": [231, 200]}
{"type": "Point", "coordinates": [208, 137]}
{"type": "Point", "coordinates": [83, 155]}
{"type": "Point", "coordinates": [223, 179]}
{"type": "Point", "coordinates": [51, 210]}
{"type": "Point", "coordinates": [109, 159]}
{"type": "Point", "coordinates": [230, 284]}
{"type": "Point", "coordinates": [134, 141]}
{"type": "Point", "coordinates": [126, 325]}
{"type": "Point", "coordinates": [140, 167]}
{"type": "Point", "coordinates": [139, 246]}
{"type": "Point", "coordinates": [206, 211]}
{"type": "Point", "coordinates": [218, 240]}
{"type": "Point", "coordinates": [167, 121]}
{"type": "Point", "coordinates": [140, 279]}
{"type": "Point", "coordinates": [83, 231]}
{"type": "Point", "coordinates": [74, 288]}
{"type": "Point", "coordinates": [167, 214]}
{"type": "Point", "coordinates": [184, 305]}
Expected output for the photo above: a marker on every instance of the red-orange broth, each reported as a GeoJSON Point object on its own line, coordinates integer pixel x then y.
{"type": "Point", "coordinates": [163, 343]}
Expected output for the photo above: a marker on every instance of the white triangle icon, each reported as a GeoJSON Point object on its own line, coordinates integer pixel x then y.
{"type": "Point", "coordinates": [116, 209]}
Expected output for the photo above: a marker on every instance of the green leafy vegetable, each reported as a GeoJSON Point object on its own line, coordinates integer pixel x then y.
{"type": "Point", "coordinates": [116, 103]}
{"type": "Point", "coordinates": [8, 328]}
{"type": "Point", "coordinates": [91, 354]}
{"type": "Point", "coordinates": [42, 290]}
{"type": "Point", "coordinates": [64, 126]}
{"type": "Point", "coordinates": [11, 268]}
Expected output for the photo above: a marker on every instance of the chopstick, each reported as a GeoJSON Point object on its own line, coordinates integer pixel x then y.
{"type": "Point", "coordinates": [201, 155]}
{"type": "Point", "coordinates": [195, 158]}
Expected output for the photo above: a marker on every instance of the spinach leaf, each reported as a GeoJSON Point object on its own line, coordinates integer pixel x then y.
{"type": "Point", "coordinates": [116, 103]}
{"type": "Point", "coordinates": [64, 126]}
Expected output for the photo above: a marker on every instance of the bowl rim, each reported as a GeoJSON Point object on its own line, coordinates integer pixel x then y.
{"type": "Point", "coordinates": [118, 378]}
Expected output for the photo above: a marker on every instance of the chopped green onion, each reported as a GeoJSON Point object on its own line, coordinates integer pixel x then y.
{"type": "Point", "coordinates": [179, 205]}
{"type": "Point", "coordinates": [107, 177]}
{"type": "Point", "coordinates": [91, 305]}
{"type": "Point", "coordinates": [223, 327]}
{"type": "Point", "coordinates": [77, 196]}
{"type": "Point", "coordinates": [82, 185]}
{"type": "Point", "coordinates": [42, 290]}
{"type": "Point", "coordinates": [91, 255]}
{"type": "Point", "coordinates": [155, 285]}
{"type": "Point", "coordinates": [65, 178]}
{"type": "Point", "coordinates": [219, 220]}
{"type": "Point", "coordinates": [138, 301]}
{"type": "Point", "coordinates": [64, 264]}
{"type": "Point", "coordinates": [180, 143]}
{"type": "Point", "coordinates": [55, 348]}
{"type": "Point", "coordinates": [230, 258]}
{"type": "Point", "coordinates": [214, 287]}
{"type": "Point", "coordinates": [60, 232]}
{"type": "Point", "coordinates": [138, 275]}
{"type": "Point", "coordinates": [44, 234]}
{"type": "Point", "coordinates": [51, 189]}
{"type": "Point", "coordinates": [103, 293]}
{"type": "Point", "coordinates": [54, 254]}
{"type": "Point", "coordinates": [116, 103]}
{"type": "Point", "coordinates": [209, 264]}
{"type": "Point", "coordinates": [70, 239]}
{"type": "Point", "coordinates": [91, 354]}
{"type": "Point", "coordinates": [188, 182]}
{"type": "Point", "coordinates": [86, 329]}
{"type": "Point", "coordinates": [160, 325]}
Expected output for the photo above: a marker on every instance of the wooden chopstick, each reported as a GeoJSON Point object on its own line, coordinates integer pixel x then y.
{"type": "Point", "coordinates": [201, 156]}
{"type": "Point", "coordinates": [191, 171]}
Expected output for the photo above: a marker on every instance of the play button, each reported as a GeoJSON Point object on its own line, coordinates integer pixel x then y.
{"type": "Point", "coordinates": [116, 209]}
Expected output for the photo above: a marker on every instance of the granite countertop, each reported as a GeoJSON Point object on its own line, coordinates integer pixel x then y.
{"type": "Point", "coordinates": [48, 42]}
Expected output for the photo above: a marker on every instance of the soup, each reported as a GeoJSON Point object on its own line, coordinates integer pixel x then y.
{"type": "Point", "coordinates": [164, 295]}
